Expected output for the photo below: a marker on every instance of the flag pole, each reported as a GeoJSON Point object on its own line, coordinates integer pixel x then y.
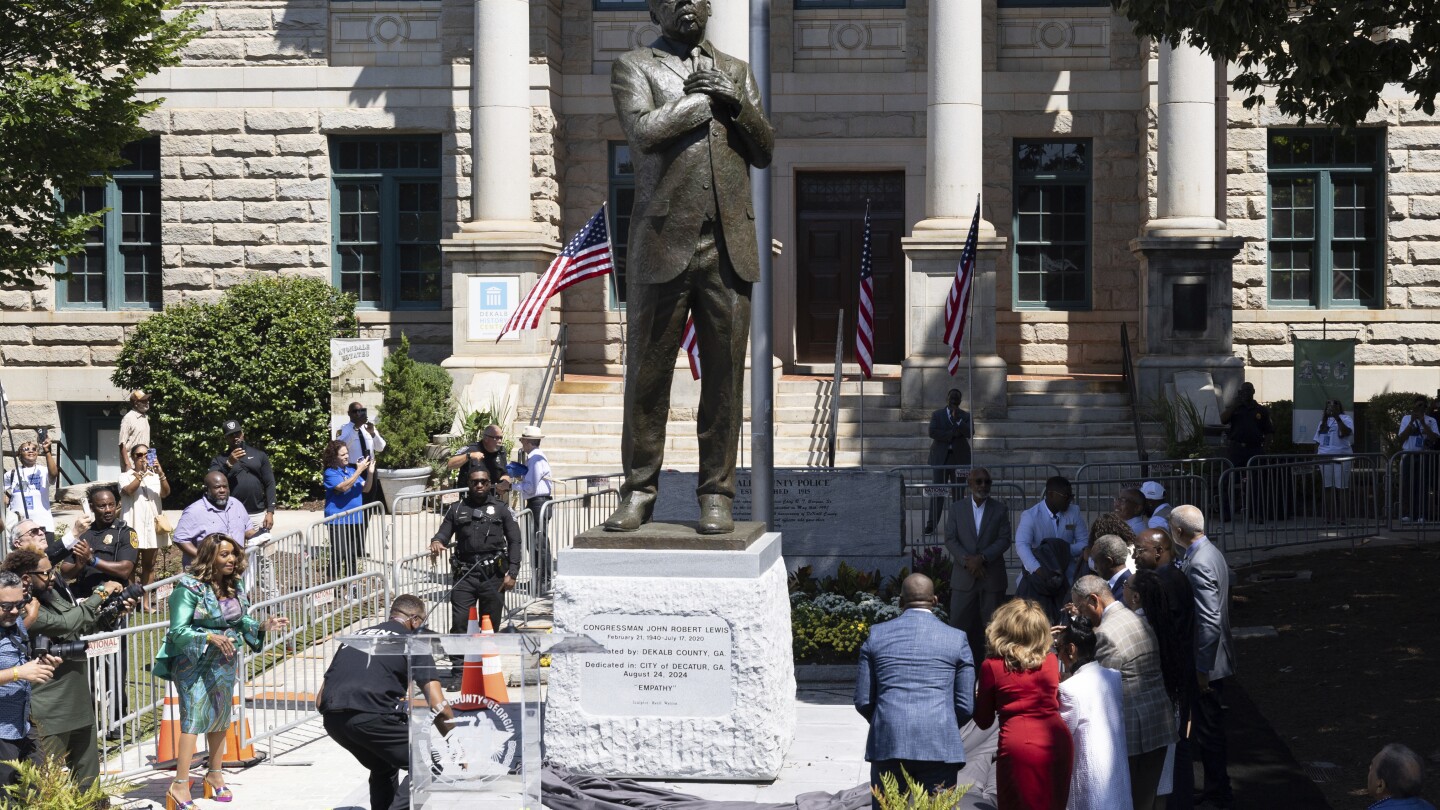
{"type": "Point", "coordinates": [970, 349]}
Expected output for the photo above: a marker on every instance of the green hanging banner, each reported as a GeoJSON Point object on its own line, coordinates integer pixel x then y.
{"type": "Point", "coordinates": [1324, 370]}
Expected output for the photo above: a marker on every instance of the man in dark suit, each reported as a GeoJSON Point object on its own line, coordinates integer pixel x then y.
{"type": "Point", "coordinates": [1204, 565]}
{"type": "Point", "coordinates": [1109, 555]}
{"type": "Point", "coordinates": [949, 446]}
{"type": "Point", "coordinates": [916, 687]}
{"type": "Point", "coordinates": [1154, 551]}
{"type": "Point", "coordinates": [694, 121]}
{"type": "Point", "coordinates": [977, 533]}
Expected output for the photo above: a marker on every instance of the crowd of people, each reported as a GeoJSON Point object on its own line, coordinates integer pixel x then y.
{"type": "Point", "coordinates": [1106, 670]}
{"type": "Point", "coordinates": [56, 589]}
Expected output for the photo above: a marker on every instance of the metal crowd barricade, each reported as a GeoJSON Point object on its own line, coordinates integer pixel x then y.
{"type": "Point", "coordinates": [279, 683]}
{"type": "Point", "coordinates": [1281, 500]}
{"type": "Point", "coordinates": [583, 484]}
{"type": "Point", "coordinates": [1411, 492]}
{"type": "Point", "coordinates": [1030, 478]}
{"type": "Point", "coordinates": [1096, 496]}
{"type": "Point", "coordinates": [562, 519]}
{"type": "Point", "coordinates": [284, 564]}
{"type": "Point", "coordinates": [1012, 495]}
{"type": "Point", "coordinates": [414, 520]}
{"type": "Point", "coordinates": [322, 537]}
{"type": "Point", "coordinates": [1209, 469]}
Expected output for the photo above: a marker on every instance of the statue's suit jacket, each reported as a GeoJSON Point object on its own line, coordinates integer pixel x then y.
{"type": "Point", "coordinates": [680, 161]}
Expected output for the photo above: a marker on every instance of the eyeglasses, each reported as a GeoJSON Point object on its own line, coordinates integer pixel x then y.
{"type": "Point", "coordinates": [495, 436]}
{"type": "Point", "coordinates": [410, 617]}
{"type": "Point", "coordinates": [48, 573]}
{"type": "Point", "coordinates": [13, 607]}
{"type": "Point", "coordinates": [139, 453]}
{"type": "Point", "coordinates": [474, 481]}
{"type": "Point", "coordinates": [982, 482]}
{"type": "Point", "coordinates": [36, 530]}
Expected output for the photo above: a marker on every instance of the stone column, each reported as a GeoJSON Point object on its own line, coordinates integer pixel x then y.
{"type": "Point", "coordinates": [501, 247]}
{"type": "Point", "coordinates": [953, 181]}
{"type": "Point", "coordinates": [1186, 254]}
{"type": "Point", "coordinates": [1185, 149]}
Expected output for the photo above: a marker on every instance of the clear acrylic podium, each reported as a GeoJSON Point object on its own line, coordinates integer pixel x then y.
{"type": "Point", "coordinates": [492, 756]}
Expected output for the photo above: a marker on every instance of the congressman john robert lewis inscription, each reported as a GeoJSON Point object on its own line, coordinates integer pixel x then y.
{"type": "Point", "coordinates": [669, 666]}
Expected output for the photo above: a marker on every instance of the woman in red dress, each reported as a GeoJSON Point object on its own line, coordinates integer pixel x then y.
{"type": "Point", "coordinates": [1020, 680]}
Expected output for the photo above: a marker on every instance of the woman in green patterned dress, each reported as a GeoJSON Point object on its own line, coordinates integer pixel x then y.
{"type": "Point", "coordinates": [207, 619]}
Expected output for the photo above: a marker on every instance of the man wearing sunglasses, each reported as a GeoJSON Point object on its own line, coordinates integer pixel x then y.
{"type": "Point", "coordinates": [64, 707]}
{"type": "Point", "coordinates": [19, 672]}
{"type": "Point", "coordinates": [486, 557]}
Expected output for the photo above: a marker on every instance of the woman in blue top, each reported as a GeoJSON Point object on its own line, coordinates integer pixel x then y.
{"type": "Point", "coordinates": [345, 485]}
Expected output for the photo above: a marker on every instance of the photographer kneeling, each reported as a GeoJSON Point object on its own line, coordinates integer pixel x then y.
{"type": "Point", "coordinates": [64, 707]}
{"type": "Point", "coordinates": [18, 671]}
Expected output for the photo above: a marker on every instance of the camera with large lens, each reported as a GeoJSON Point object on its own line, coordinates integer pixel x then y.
{"type": "Point", "coordinates": [68, 650]}
{"type": "Point", "coordinates": [108, 615]}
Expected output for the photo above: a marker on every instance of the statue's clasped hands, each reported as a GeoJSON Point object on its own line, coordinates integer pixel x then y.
{"type": "Point", "coordinates": [715, 84]}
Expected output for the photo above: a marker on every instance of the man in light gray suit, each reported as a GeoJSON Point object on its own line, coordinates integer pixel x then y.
{"type": "Point", "coordinates": [916, 688]}
{"type": "Point", "coordinates": [977, 533]}
{"type": "Point", "coordinates": [1204, 565]}
{"type": "Point", "coordinates": [1125, 643]}
{"type": "Point", "coordinates": [695, 125]}
{"type": "Point", "coordinates": [950, 429]}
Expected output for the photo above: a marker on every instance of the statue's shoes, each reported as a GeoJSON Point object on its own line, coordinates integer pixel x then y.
{"type": "Point", "coordinates": [632, 513]}
{"type": "Point", "coordinates": [715, 515]}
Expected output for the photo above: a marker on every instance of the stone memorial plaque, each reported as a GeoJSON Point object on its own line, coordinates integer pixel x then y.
{"type": "Point", "coordinates": [670, 666]}
{"type": "Point", "coordinates": [824, 515]}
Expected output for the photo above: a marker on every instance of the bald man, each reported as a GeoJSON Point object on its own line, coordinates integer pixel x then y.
{"type": "Point", "coordinates": [916, 687]}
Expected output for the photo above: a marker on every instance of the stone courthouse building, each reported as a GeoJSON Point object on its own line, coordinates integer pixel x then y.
{"type": "Point", "coordinates": [1121, 183]}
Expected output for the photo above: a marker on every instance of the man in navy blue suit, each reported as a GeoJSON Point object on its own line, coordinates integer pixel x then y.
{"type": "Point", "coordinates": [916, 673]}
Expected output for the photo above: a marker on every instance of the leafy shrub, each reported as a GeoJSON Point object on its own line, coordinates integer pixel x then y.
{"type": "Point", "coordinates": [846, 580]}
{"type": "Point", "coordinates": [933, 562]}
{"type": "Point", "coordinates": [1182, 424]}
{"type": "Point", "coordinates": [915, 796]}
{"type": "Point", "coordinates": [48, 786]}
{"type": "Point", "coordinates": [406, 411]}
{"type": "Point", "coordinates": [437, 382]}
{"type": "Point", "coordinates": [1383, 414]}
{"type": "Point", "coordinates": [261, 354]}
{"type": "Point", "coordinates": [829, 627]}
{"type": "Point", "coordinates": [1282, 416]}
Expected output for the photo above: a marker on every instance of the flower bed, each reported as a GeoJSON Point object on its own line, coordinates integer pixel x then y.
{"type": "Point", "coordinates": [831, 617]}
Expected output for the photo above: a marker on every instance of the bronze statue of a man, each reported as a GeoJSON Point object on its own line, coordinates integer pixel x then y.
{"type": "Point", "coordinates": [694, 121]}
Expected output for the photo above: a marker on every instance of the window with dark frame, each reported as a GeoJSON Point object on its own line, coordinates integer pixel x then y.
{"type": "Point", "coordinates": [621, 5]}
{"type": "Point", "coordinates": [387, 214]}
{"type": "Point", "coordinates": [1051, 263]}
{"type": "Point", "coordinates": [1325, 228]}
{"type": "Point", "coordinates": [622, 200]}
{"type": "Point", "coordinates": [804, 4]}
{"type": "Point", "coordinates": [120, 265]}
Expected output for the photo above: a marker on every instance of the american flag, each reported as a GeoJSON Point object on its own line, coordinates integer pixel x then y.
{"type": "Point", "coordinates": [690, 342]}
{"type": "Point", "coordinates": [586, 256]}
{"type": "Point", "coordinates": [865, 325]}
{"type": "Point", "coordinates": [957, 306]}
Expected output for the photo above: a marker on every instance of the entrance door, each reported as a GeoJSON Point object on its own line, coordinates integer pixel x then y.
{"type": "Point", "coordinates": [92, 436]}
{"type": "Point", "coordinates": [829, 228]}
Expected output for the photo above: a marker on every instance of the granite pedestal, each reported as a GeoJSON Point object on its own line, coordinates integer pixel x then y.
{"type": "Point", "coordinates": [698, 679]}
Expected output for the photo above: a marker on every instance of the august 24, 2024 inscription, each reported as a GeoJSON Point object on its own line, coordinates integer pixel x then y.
{"type": "Point", "coordinates": [671, 666]}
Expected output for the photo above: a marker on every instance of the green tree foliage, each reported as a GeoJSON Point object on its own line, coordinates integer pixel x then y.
{"type": "Point", "coordinates": [1383, 415]}
{"type": "Point", "coordinates": [437, 383]}
{"type": "Point", "coordinates": [407, 411]}
{"type": "Point", "coordinates": [68, 74]}
{"type": "Point", "coordinates": [260, 354]}
{"type": "Point", "coordinates": [1324, 61]}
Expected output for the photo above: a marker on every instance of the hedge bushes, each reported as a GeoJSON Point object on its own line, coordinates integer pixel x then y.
{"type": "Point", "coordinates": [261, 354]}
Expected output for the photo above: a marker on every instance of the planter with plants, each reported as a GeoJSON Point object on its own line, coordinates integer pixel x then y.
{"type": "Point", "coordinates": [417, 403]}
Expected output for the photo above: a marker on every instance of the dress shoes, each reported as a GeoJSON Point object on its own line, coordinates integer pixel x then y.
{"type": "Point", "coordinates": [632, 513]}
{"type": "Point", "coordinates": [715, 515]}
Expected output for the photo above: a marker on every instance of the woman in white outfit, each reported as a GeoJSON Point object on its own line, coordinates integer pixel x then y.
{"type": "Point", "coordinates": [1335, 436]}
{"type": "Point", "coordinates": [141, 488]}
{"type": "Point", "coordinates": [1091, 706]}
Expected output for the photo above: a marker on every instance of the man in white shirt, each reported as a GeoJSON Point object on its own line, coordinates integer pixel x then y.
{"type": "Point", "coordinates": [1155, 502]}
{"type": "Point", "coordinates": [1055, 516]}
{"type": "Point", "coordinates": [364, 441]}
{"type": "Point", "coordinates": [537, 486]}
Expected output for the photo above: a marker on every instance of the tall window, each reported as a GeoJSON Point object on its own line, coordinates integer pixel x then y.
{"type": "Point", "coordinates": [1052, 225]}
{"type": "Point", "coordinates": [120, 268]}
{"type": "Point", "coordinates": [622, 199]}
{"type": "Point", "coordinates": [849, 3]}
{"type": "Point", "coordinates": [1326, 196]}
{"type": "Point", "coordinates": [617, 5]}
{"type": "Point", "coordinates": [387, 220]}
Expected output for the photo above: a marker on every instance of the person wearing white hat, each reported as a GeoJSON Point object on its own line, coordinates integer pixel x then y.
{"type": "Point", "coordinates": [1156, 505]}
{"type": "Point", "coordinates": [536, 487]}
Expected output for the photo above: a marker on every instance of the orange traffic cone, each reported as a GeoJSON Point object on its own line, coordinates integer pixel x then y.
{"type": "Point", "coordinates": [483, 676]}
{"type": "Point", "coordinates": [167, 746]}
{"type": "Point", "coordinates": [238, 754]}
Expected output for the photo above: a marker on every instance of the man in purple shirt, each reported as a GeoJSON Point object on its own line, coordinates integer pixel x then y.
{"type": "Point", "coordinates": [215, 513]}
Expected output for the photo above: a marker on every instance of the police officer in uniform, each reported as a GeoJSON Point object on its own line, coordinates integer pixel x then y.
{"type": "Point", "coordinates": [487, 551]}
{"type": "Point", "coordinates": [365, 698]}
{"type": "Point", "coordinates": [107, 552]}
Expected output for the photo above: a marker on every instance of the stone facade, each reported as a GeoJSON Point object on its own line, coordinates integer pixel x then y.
{"type": "Point", "coordinates": [246, 183]}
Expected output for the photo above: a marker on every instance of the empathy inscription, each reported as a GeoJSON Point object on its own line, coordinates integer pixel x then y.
{"type": "Point", "coordinates": [672, 666]}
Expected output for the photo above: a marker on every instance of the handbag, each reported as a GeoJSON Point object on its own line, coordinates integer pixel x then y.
{"type": "Point", "coordinates": [162, 524]}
